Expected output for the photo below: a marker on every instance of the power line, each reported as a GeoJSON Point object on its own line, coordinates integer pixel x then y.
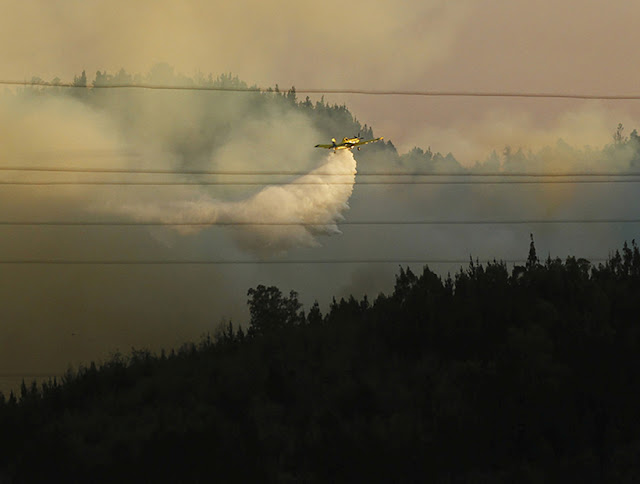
{"type": "Point", "coordinates": [151, 171]}
{"type": "Point", "coordinates": [57, 223]}
{"type": "Point", "coordinates": [311, 182]}
{"type": "Point", "coordinates": [368, 92]}
{"type": "Point", "coordinates": [159, 262]}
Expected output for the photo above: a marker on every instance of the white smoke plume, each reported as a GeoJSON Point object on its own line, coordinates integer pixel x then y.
{"type": "Point", "coordinates": [307, 206]}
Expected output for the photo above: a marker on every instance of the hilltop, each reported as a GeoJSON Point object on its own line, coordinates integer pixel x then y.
{"type": "Point", "coordinates": [491, 375]}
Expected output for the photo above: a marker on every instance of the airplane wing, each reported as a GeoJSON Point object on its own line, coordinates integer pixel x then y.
{"type": "Point", "coordinates": [364, 142]}
{"type": "Point", "coordinates": [329, 147]}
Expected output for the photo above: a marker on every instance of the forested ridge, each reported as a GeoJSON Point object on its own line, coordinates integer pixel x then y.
{"type": "Point", "coordinates": [199, 122]}
{"type": "Point", "coordinates": [202, 122]}
{"type": "Point", "coordinates": [528, 375]}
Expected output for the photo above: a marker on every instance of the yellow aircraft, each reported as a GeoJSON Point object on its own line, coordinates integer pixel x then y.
{"type": "Point", "coordinates": [348, 143]}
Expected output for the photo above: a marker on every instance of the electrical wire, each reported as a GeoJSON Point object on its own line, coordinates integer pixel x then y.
{"type": "Point", "coordinates": [58, 223]}
{"type": "Point", "coordinates": [311, 182]}
{"type": "Point", "coordinates": [368, 92]}
{"type": "Point", "coordinates": [160, 262]}
{"type": "Point", "coordinates": [151, 171]}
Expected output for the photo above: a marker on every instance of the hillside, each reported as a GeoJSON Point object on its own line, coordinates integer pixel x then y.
{"type": "Point", "coordinates": [487, 376]}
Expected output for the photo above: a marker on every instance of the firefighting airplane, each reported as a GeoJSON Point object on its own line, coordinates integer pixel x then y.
{"type": "Point", "coordinates": [348, 143]}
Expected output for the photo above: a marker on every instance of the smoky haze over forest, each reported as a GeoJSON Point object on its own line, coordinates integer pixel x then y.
{"type": "Point", "coordinates": [59, 314]}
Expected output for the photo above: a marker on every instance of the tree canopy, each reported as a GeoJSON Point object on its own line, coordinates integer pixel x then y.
{"type": "Point", "coordinates": [489, 375]}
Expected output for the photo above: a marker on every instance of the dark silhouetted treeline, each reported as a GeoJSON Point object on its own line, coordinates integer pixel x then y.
{"type": "Point", "coordinates": [528, 375]}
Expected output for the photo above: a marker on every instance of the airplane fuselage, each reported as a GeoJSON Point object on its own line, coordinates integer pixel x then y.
{"type": "Point", "coordinates": [352, 141]}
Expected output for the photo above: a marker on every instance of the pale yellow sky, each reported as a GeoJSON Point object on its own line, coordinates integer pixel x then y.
{"type": "Point", "coordinates": [492, 45]}
{"type": "Point", "coordinates": [264, 42]}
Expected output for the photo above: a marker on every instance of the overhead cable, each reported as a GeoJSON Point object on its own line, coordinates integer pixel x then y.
{"type": "Point", "coordinates": [195, 223]}
{"type": "Point", "coordinates": [152, 171]}
{"type": "Point", "coordinates": [160, 262]}
{"type": "Point", "coordinates": [311, 182]}
{"type": "Point", "coordinates": [368, 92]}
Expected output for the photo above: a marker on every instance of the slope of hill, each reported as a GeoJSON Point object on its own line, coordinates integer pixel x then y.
{"type": "Point", "coordinates": [489, 376]}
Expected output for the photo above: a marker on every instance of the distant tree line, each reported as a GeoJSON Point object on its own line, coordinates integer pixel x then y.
{"type": "Point", "coordinates": [492, 375]}
{"type": "Point", "coordinates": [206, 129]}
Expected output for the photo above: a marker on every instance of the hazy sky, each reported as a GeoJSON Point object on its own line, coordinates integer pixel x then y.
{"type": "Point", "coordinates": [56, 315]}
{"type": "Point", "coordinates": [493, 45]}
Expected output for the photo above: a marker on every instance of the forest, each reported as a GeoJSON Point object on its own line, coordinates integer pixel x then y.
{"type": "Point", "coordinates": [489, 375]}
{"type": "Point", "coordinates": [202, 121]}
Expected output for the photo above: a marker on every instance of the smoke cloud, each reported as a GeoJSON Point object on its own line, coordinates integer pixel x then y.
{"type": "Point", "coordinates": [55, 315]}
{"type": "Point", "coordinates": [585, 128]}
{"type": "Point", "coordinates": [266, 42]}
{"type": "Point", "coordinates": [60, 315]}
{"type": "Point", "coordinates": [315, 201]}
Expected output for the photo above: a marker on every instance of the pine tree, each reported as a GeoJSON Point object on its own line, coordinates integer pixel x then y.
{"type": "Point", "coordinates": [532, 260]}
